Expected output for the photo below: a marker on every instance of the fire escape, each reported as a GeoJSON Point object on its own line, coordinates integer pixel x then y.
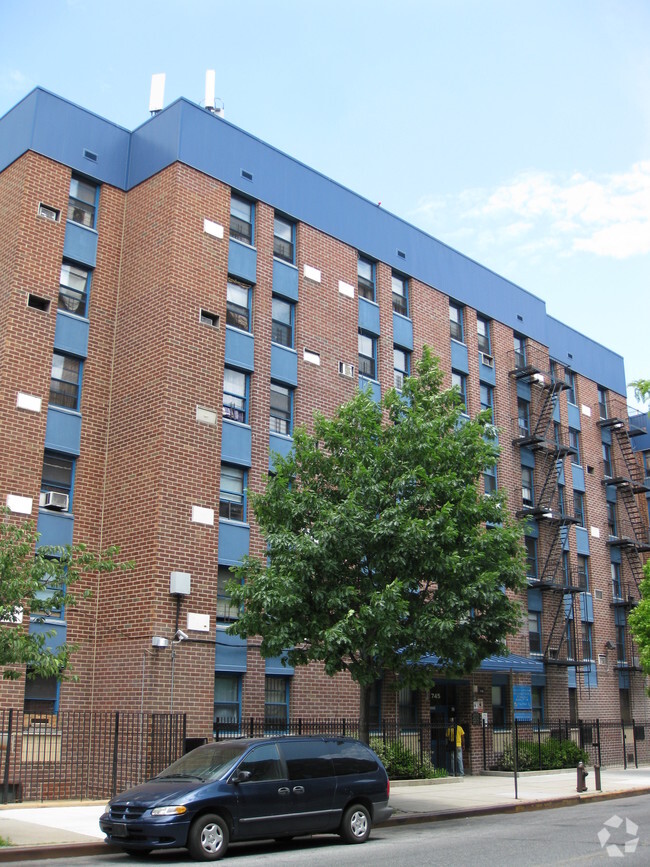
{"type": "Point", "coordinates": [538, 431]}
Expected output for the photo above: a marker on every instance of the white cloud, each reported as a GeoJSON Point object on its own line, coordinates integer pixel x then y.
{"type": "Point", "coordinates": [13, 80]}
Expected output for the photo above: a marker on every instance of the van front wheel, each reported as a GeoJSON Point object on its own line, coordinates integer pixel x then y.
{"type": "Point", "coordinates": [208, 838]}
{"type": "Point", "coordinates": [356, 824]}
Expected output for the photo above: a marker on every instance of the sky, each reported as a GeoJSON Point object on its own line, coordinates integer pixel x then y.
{"type": "Point", "coordinates": [516, 131]}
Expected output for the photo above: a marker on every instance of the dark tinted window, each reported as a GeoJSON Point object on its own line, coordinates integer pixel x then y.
{"type": "Point", "coordinates": [307, 760]}
{"type": "Point", "coordinates": [350, 758]}
{"type": "Point", "coordinates": [263, 763]}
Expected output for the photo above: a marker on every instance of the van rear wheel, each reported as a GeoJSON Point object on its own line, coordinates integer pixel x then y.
{"type": "Point", "coordinates": [208, 838]}
{"type": "Point", "coordinates": [356, 824]}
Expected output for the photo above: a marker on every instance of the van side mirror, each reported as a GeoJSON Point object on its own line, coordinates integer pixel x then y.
{"type": "Point", "coordinates": [240, 776]}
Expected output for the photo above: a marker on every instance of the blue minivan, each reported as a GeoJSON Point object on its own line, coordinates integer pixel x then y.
{"type": "Point", "coordinates": [248, 789]}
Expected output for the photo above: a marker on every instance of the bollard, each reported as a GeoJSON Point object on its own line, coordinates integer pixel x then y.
{"type": "Point", "coordinates": [582, 778]}
{"type": "Point", "coordinates": [597, 778]}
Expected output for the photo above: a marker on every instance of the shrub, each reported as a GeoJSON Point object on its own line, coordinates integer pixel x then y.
{"type": "Point", "coordinates": [402, 763]}
{"type": "Point", "coordinates": [554, 754]}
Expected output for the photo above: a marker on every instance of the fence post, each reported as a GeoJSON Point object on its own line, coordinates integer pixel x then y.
{"type": "Point", "coordinates": [600, 759]}
{"type": "Point", "coordinates": [539, 743]}
{"type": "Point", "coordinates": [515, 751]}
{"type": "Point", "coordinates": [116, 732]}
{"type": "Point", "coordinates": [484, 729]}
{"type": "Point", "coordinates": [5, 781]}
{"type": "Point", "coordinates": [636, 758]}
{"type": "Point", "coordinates": [624, 750]}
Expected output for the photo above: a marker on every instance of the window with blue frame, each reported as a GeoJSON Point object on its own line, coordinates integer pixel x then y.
{"type": "Point", "coordinates": [607, 461]}
{"type": "Point", "coordinates": [561, 500]}
{"type": "Point", "coordinates": [523, 417]}
{"type": "Point", "coordinates": [527, 494]}
{"type": "Point", "coordinates": [456, 321]}
{"type": "Point", "coordinates": [520, 351]}
{"type": "Point", "coordinates": [459, 380]}
{"type": "Point", "coordinates": [277, 693]}
{"type": "Point", "coordinates": [241, 219]}
{"type": "Point", "coordinates": [621, 655]}
{"type": "Point", "coordinates": [483, 332]}
{"type": "Point", "coordinates": [367, 355]}
{"type": "Point", "coordinates": [535, 632]}
{"type": "Point", "coordinates": [602, 402]}
{"type": "Point", "coordinates": [574, 443]}
{"type": "Point", "coordinates": [238, 305]}
{"type": "Point", "coordinates": [232, 503]}
{"type": "Point", "coordinates": [235, 395]}
{"type": "Point", "coordinates": [583, 572]}
{"type": "Point", "coordinates": [58, 474]}
{"type": "Point", "coordinates": [569, 637]}
{"type": "Point", "coordinates": [579, 508]}
{"type": "Point", "coordinates": [401, 366]}
{"type": "Point", "coordinates": [283, 239]}
{"type": "Point", "coordinates": [82, 202]}
{"type": "Point", "coordinates": [570, 380]}
{"type": "Point", "coordinates": [65, 381]}
{"type": "Point", "coordinates": [73, 289]}
{"type": "Point", "coordinates": [226, 611]}
{"type": "Point", "coordinates": [400, 287]}
{"type": "Point", "coordinates": [282, 322]}
{"type": "Point", "coordinates": [500, 705]}
{"type": "Point", "coordinates": [281, 409]}
{"type": "Point", "coordinates": [490, 480]}
{"type": "Point", "coordinates": [617, 589]}
{"type": "Point", "coordinates": [587, 641]}
{"type": "Point", "coordinates": [487, 398]}
{"type": "Point", "coordinates": [227, 703]}
{"type": "Point", "coordinates": [531, 556]}
{"type": "Point", "coordinates": [566, 571]}
{"type": "Point", "coordinates": [612, 521]}
{"type": "Point", "coordinates": [366, 278]}
{"type": "Point", "coordinates": [41, 695]}
{"type": "Point", "coordinates": [537, 694]}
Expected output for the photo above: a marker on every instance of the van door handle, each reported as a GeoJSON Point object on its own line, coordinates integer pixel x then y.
{"type": "Point", "coordinates": [299, 790]}
{"type": "Point", "coordinates": [283, 790]}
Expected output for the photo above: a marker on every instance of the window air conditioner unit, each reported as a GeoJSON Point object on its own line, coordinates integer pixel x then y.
{"type": "Point", "coordinates": [486, 359]}
{"type": "Point", "coordinates": [49, 213]}
{"type": "Point", "coordinates": [56, 500]}
{"type": "Point", "coordinates": [346, 369]}
{"type": "Point", "coordinates": [539, 377]}
{"type": "Point", "coordinates": [602, 659]}
{"type": "Point", "coordinates": [553, 652]}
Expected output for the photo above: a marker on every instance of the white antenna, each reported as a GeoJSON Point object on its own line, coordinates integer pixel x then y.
{"type": "Point", "coordinates": [210, 98]}
{"type": "Point", "coordinates": [157, 96]}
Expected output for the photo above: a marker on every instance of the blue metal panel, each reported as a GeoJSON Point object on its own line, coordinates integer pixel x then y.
{"type": "Point", "coordinates": [534, 599]}
{"type": "Point", "coordinates": [586, 607]}
{"type": "Point", "coordinates": [459, 360]}
{"type": "Point", "coordinates": [16, 130]}
{"type": "Point", "coordinates": [56, 528]}
{"type": "Point", "coordinates": [615, 555]}
{"type": "Point", "coordinates": [620, 617]}
{"type": "Point", "coordinates": [532, 528]}
{"type": "Point", "coordinates": [606, 435]}
{"type": "Point", "coordinates": [71, 334]}
{"type": "Point", "coordinates": [52, 642]}
{"type": "Point", "coordinates": [582, 541]}
{"type": "Point", "coordinates": [230, 652]}
{"type": "Point", "coordinates": [375, 388]}
{"type": "Point", "coordinates": [234, 542]}
{"type": "Point", "coordinates": [242, 261]}
{"type": "Point", "coordinates": [284, 364]}
{"type": "Point", "coordinates": [560, 473]}
{"type": "Point", "coordinates": [624, 680]}
{"type": "Point", "coordinates": [63, 430]}
{"type": "Point", "coordinates": [240, 348]}
{"type": "Point", "coordinates": [568, 606]}
{"type": "Point", "coordinates": [403, 331]}
{"type": "Point", "coordinates": [556, 411]}
{"type": "Point", "coordinates": [523, 389]}
{"type": "Point", "coordinates": [274, 665]}
{"type": "Point", "coordinates": [589, 358]}
{"type": "Point", "coordinates": [369, 316]}
{"type": "Point", "coordinates": [527, 458]}
{"type": "Point", "coordinates": [574, 416]}
{"type": "Point", "coordinates": [573, 682]}
{"type": "Point", "coordinates": [538, 680]}
{"type": "Point", "coordinates": [236, 443]}
{"type": "Point", "coordinates": [487, 374]}
{"type": "Point", "coordinates": [578, 476]}
{"type": "Point", "coordinates": [285, 280]}
{"type": "Point", "coordinates": [591, 676]}
{"type": "Point", "coordinates": [279, 444]}
{"type": "Point", "coordinates": [564, 537]}
{"type": "Point", "coordinates": [80, 244]}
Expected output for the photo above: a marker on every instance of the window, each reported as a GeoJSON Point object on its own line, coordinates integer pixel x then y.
{"type": "Point", "coordinates": [483, 331]}
{"type": "Point", "coordinates": [531, 556]}
{"type": "Point", "coordinates": [579, 507]}
{"type": "Point", "coordinates": [487, 398]}
{"type": "Point", "coordinates": [617, 590]}
{"type": "Point", "coordinates": [459, 380]}
{"type": "Point", "coordinates": [238, 299]}
{"type": "Point", "coordinates": [456, 321]}
{"type": "Point", "coordinates": [401, 366]}
{"type": "Point", "coordinates": [561, 500]}
{"type": "Point", "coordinates": [408, 706]}
{"type": "Point", "coordinates": [280, 421]}
{"type": "Point", "coordinates": [58, 473]}
{"type": "Point", "coordinates": [583, 572]}
{"type": "Point", "coordinates": [227, 703]}
{"type": "Point", "coordinates": [607, 461]}
{"type": "Point", "coordinates": [81, 204]}
{"type": "Point", "coordinates": [73, 289]}
{"type": "Point", "coordinates": [499, 705]}
{"type": "Point", "coordinates": [523, 416]}
{"type": "Point", "coordinates": [520, 351]}
{"type": "Point", "coordinates": [276, 703]}
{"type": "Point", "coordinates": [574, 443]}
{"type": "Point", "coordinates": [587, 641]}
{"type": "Point", "coordinates": [282, 322]}
{"type": "Point", "coordinates": [602, 402]}
{"type": "Point", "coordinates": [527, 487]}
{"type": "Point", "coordinates": [566, 572]}
{"type": "Point", "coordinates": [367, 355]}
{"type": "Point", "coordinates": [612, 522]}
{"type": "Point", "coordinates": [263, 764]}
{"type": "Point", "coordinates": [64, 382]}
{"type": "Point", "coordinates": [231, 493]}
{"type": "Point", "coordinates": [538, 704]}
{"type": "Point", "coordinates": [283, 235]}
{"type": "Point", "coordinates": [366, 278]}
{"type": "Point", "coordinates": [225, 610]}
{"type": "Point", "coordinates": [620, 643]}
{"type": "Point", "coordinates": [570, 648]}
{"type": "Point", "coordinates": [570, 380]}
{"type": "Point", "coordinates": [41, 694]}
{"type": "Point", "coordinates": [400, 294]}
{"type": "Point", "coordinates": [490, 480]}
{"type": "Point", "coordinates": [241, 220]}
{"type": "Point", "coordinates": [535, 631]}
{"type": "Point", "coordinates": [235, 395]}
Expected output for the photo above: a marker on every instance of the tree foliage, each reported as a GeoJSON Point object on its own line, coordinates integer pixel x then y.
{"type": "Point", "coordinates": [37, 582]}
{"type": "Point", "coordinates": [639, 621]}
{"type": "Point", "coordinates": [641, 389]}
{"type": "Point", "coordinates": [378, 548]}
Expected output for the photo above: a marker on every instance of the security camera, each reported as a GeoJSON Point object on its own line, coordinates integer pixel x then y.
{"type": "Point", "coordinates": [180, 635]}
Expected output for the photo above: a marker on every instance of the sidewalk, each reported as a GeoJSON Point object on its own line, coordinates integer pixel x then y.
{"type": "Point", "coordinates": [64, 830]}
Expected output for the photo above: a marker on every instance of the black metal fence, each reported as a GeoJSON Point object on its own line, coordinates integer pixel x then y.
{"type": "Point", "coordinates": [82, 754]}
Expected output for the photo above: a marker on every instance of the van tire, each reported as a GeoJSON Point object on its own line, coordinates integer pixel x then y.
{"type": "Point", "coordinates": [356, 824]}
{"type": "Point", "coordinates": [208, 838]}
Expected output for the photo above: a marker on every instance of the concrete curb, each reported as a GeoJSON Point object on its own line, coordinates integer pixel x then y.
{"type": "Point", "coordinates": [13, 854]}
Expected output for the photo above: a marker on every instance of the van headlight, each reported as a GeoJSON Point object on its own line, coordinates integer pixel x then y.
{"type": "Point", "coordinates": [170, 810]}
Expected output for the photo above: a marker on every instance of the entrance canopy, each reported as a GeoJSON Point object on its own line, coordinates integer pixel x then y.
{"type": "Point", "coordinates": [512, 662]}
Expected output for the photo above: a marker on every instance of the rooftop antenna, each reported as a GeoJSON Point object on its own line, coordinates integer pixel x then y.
{"type": "Point", "coordinates": [157, 95]}
{"type": "Point", "coordinates": [210, 98]}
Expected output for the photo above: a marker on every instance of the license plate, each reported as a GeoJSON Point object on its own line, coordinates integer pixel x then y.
{"type": "Point", "coordinates": [119, 829]}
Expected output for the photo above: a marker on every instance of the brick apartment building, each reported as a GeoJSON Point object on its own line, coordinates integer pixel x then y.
{"type": "Point", "coordinates": [173, 301]}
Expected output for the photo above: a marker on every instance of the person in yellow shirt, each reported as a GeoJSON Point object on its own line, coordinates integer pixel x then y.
{"type": "Point", "coordinates": [456, 744]}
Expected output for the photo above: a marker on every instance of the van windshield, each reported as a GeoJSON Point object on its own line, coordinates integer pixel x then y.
{"type": "Point", "coordinates": [205, 763]}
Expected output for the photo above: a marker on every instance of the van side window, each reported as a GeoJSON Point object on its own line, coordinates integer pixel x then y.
{"type": "Point", "coordinates": [307, 760]}
{"type": "Point", "coordinates": [264, 763]}
{"type": "Point", "coordinates": [352, 758]}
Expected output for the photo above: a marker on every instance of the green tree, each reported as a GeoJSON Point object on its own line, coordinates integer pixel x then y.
{"type": "Point", "coordinates": [34, 583]}
{"type": "Point", "coordinates": [639, 619]}
{"type": "Point", "coordinates": [641, 389]}
{"type": "Point", "coordinates": [382, 546]}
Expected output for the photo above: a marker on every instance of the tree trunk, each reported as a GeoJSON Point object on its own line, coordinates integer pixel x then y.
{"type": "Point", "coordinates": [364, 713]}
